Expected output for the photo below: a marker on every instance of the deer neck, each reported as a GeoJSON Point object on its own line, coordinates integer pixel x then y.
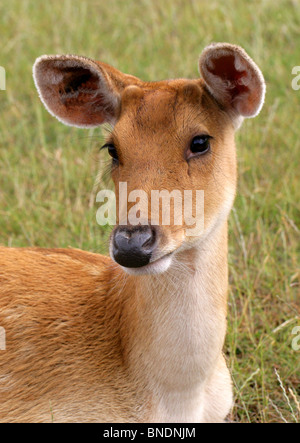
{"type": "Point", "coordinates": [173, 324]}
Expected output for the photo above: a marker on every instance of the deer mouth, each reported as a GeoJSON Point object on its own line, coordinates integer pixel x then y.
{"type": "Point", "coordinates": [155, 267]}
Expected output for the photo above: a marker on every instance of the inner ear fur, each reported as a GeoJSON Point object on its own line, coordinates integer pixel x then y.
{"type": "Point", "coordinates": [76, 90]}
{"type": "Point", "coordinates": [233, 79]}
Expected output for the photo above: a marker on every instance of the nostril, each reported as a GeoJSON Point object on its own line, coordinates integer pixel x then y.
{"type": "Point", "coordinates": [120, 240]}
{"type": "Point", "coordinates": [150, 240]}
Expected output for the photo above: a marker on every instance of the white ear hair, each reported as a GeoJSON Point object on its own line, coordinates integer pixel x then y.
{"type": "Point", "coordinates": [233, 79]}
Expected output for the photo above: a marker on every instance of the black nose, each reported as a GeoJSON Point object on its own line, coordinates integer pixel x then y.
{"type": "Point", "coordinates": [133, 245]}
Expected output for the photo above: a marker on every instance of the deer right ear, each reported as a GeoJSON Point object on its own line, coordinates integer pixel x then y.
{"type": "Point", "coordinates": [77, 90]}
{"type": "Point", "coordinates": [233, 79]}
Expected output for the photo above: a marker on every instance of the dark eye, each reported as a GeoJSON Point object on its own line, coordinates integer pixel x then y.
{"type": "Point", "coordinates": [112, 152]}
{"type": "Point", "coordinates": [199, 145]}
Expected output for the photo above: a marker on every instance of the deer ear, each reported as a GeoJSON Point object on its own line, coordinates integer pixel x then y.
{"type": "Point", "coordinates": [233, 79]}
{"type": "Point", "coordinates": [78, 91]}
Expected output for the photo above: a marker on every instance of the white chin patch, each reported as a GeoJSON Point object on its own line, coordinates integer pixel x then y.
{"type": "Point", "coordinates": [158, 267]}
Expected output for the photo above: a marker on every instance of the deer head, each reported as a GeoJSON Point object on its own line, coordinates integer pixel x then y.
{"type": "Point", "coordinates": [172, 136]}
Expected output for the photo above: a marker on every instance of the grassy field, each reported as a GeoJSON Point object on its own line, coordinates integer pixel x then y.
{"type": "Point", "coordinates": [48, 172]}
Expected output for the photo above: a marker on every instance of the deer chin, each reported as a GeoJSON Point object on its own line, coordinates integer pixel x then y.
{"type": "Point", "coordinates": [156, 267]}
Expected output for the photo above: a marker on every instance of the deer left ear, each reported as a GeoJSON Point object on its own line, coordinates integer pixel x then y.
{"type": "Point", "coordinates": [233, 79]}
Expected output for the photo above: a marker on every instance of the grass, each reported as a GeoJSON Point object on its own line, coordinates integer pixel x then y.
{"type": "Point", "coordinates": [48, 172]}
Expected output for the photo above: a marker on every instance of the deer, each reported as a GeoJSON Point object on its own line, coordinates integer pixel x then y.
{"type": "Point", "coordinates": [137, 336]}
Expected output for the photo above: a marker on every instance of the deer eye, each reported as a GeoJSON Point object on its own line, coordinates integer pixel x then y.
{"type": "Point", "coordinates": [200, 145]}
{"type": "Point", "coordinates": [112, 152]}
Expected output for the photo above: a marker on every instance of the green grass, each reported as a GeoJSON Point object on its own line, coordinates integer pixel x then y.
{"type": "Point", "coordinates": [48, 172]}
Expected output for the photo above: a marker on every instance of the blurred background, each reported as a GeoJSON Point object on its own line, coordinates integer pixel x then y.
{"type": "Point", "coordinates": [49, 174]}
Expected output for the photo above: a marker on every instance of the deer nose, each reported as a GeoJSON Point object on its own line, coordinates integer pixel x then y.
{"type": "Point", "coordinates": [133, 246]}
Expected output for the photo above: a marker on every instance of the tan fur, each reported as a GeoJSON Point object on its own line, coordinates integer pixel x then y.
{"type": "Point", "coordinates": [90, 341]}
